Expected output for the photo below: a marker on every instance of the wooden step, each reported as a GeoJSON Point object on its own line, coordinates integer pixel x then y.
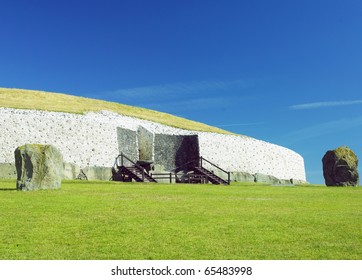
{"type": "Point", "coordinates": [136, 173]}
{"type": "Point", "coordinates": [211, 176]}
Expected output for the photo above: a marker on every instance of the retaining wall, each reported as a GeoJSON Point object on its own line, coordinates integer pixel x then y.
{"type": "Point", "coordinates": [95, 139]}
{"type": "Point", "coordinates": [246, 154]}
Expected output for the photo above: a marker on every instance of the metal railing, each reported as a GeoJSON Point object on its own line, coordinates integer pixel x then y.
{"type": "Point", "coordinates": [123, 157]}
{"type": "Point", "coordinates": [200, 163]}
{"type": "Point", "coordinates": [162, 176]}
{"type": "Point", "coordinates": [202, 159]}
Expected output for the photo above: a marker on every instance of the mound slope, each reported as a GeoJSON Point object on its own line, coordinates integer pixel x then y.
{"type": "Point", "coordinates": [58, 102]}
{"type": "Point", "coordinates": [91, 133]}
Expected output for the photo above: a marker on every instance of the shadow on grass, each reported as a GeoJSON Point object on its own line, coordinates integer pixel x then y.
{"type": "Point", "coordinates": [4, 189]}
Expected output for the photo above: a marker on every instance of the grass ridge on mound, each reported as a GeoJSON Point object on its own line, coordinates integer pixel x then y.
{"type": "Point", "coordinates": [59, 102]}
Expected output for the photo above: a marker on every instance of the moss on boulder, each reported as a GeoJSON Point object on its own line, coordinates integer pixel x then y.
{"type": "Point", "coordinates": [340, 167]}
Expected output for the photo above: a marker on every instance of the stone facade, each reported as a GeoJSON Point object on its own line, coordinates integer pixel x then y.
{"type": "Point", "coordinates": [95, 139]}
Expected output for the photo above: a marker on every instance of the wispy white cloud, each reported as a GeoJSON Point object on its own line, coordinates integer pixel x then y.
{"type": "Point", "coordinates": [322, 129]}
{"type": "Point", "coordinates": [316, 105]}
{"type": "Point", "coordinates": [179, 88]}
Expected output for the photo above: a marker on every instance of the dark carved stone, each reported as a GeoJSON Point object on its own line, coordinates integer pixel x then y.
{"type": "Point", "coordinates": [173, 151]}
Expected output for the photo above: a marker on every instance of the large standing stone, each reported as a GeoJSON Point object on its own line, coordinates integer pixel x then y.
{"type": "Point", "coordinates": [340, 167]}
{"type": "Point", "coordinates": [38, 167]}
{"type": "Point", "coordinates": [172, 151]}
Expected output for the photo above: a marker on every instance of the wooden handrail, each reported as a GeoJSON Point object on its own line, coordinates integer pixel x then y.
{"type": "Point", "coordinates": [162, 176]}
{"type": "Point", "coordinates": [227, 172]}
{"type": "Point", "coordinates": [199, 162]}
{"type": "Point", "coordinates": [122, 155]}
{"type": "Point", "coordinates": [202, 158]}
{"type": "Point", "coordinates": [187, 163]}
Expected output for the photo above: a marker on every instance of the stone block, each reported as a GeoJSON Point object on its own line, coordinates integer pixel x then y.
{"type": "Point", "coordinates": [242, 177]}
{"type": "Point", "coordinates": [267, 179]}
{"type": "Point", "coordinates": [172, 151]}
{"type": "Point", "coordinates": [7, 171]}
{"type": "Point", "coordinates": [97, 173]}
{"type": "Point", "coordinates": [70, 171]}
{"type": "Point", "coordinates": [38, 167]}
{"type": "Point", "coordinates": [145, 144]}
{"type": "Point", "coordinates": [127, 143]}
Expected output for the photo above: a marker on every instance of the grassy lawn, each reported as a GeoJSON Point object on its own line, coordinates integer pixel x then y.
{"type": "Point", "coordinates": [109, 220]}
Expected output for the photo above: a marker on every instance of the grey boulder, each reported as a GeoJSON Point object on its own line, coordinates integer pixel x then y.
{"type": "Point", "coordinates": [38, 167]}
{"type": "Point", "coordinates": [340, 167]}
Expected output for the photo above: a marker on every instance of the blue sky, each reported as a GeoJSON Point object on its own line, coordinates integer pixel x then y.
{"type": "Point", "coordinates": [287, 72]}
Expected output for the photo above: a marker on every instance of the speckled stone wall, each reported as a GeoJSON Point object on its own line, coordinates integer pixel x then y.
{"type": "Point", "coordinates": [81, 139]}
{"type": "Point", "coordinates": [246, 154]}
{"type": "Point", "coordinates": [95, 139]}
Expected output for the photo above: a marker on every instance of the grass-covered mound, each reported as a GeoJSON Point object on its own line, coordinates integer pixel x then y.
{"type": "Point", "coordinates": [57, 102]}
{"type": "Point", "coordinates": [110, 220]}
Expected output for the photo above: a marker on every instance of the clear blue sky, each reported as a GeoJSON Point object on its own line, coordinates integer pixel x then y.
{"type": "Point", "coordinates": [287, 72]}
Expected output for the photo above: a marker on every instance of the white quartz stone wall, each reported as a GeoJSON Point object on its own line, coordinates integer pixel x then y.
{"type": "Point", "coordinates": [91, 140]}
{"type": "Point", "coordinates": [246, 154]}
{"type": "Point", "coordinates": [83, 140]}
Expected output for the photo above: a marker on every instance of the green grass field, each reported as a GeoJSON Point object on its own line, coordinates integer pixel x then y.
{"type": "Point", "coordinates": [110, 220]}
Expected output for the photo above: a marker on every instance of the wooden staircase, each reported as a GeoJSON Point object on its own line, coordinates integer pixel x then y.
{"type": "Point", "coordinates": [195, 172]}
{"type": "Point", "coordinates": [216, 180]}
{"type": "Point", "coordinates": [137, 173]}
{"type": "Point", "coordinates": [120, 172]}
